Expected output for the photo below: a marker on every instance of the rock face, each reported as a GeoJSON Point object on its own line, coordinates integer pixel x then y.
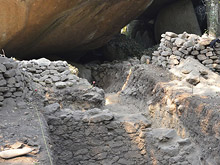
{"type": "Point", "coordinates": [173, 18]}
{"type": "Point", "coordinates": [43, 27]}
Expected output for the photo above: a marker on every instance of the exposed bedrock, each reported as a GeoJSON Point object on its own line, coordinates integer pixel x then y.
{"type": "Point", "coordinates": [45, 27]}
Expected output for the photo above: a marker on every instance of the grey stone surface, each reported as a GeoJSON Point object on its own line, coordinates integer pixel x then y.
{"type": "Point", "coordinates": [10, 73]}
{"type": "Point", "coordinates": [2, 68]}
{"type": "Point", "coordinates": [60, 85]}
{"type": "Point", "coordinates": [3, 83]}
{"type": "Point", "coordinates": [173, 18]}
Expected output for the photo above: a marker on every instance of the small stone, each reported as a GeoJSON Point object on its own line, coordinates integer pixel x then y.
{"type": "Point", "coordinates": [103, 116]}
{"type": "Point", "coordinates": [179, 42]}
{"type": "Point", "coordinates": [12, 90]}
{"type": "Point", "coordinates": [2, 68]}
{"type": "Point", "coordinates": [42, 83]}
{"type": "Point", "coordinates": [156, 53]}
{"type": "Point", "coordinates": [189, 49]}
{"type": "Point", "coordinates": [213, 57]}
{"type": "Point", "coordinates": [193, 81]}
{"type": "Point", "coordinates": [54, 72]}
{"type": "Point", "coordinates": [184, 51]}
{"type": "Point", "coordinates": [201, 57]}
{"type": "Point", "coordinates": [17, 94]}
{"type": "Point", "coordinates": [216, 66]}
{"type": "Point", "coordinates": [1, 98]}
{"type": "Point", "coordinates": [46, 72]}
{"type": "Point", "coordinates": [168, 38]}
{"type": "Point", "coordinates": [3, 83]}
{"type": "Point", "coordinates": [18, 85]}
{"type": "Point", "coordinates": [43, 78]}
{"type": "Point", "coordinates": [174, 61]}
{"type": "Point", "coordinates": [186, 71]}
{"type": "Point", "coordinates": [61, 69]}
{"type": "Point", "coordinates": [208, 61]}
{"type": "Point", "coordinates": [173, 40]}
{"type": "Point", "coordinates": [209, 54]}
{"type": "Point", "coordinates": [69, 83]}
{"type": "Point", "coordinates": [217, 61]}
{"type": "Point", "coordinates": [4, 89]}
{"type": "Point", "coordinates": [8, 94]}
{"type": "Point", "coordinates": [204, 51]}
{"type": "Point", "coordinates": [177, 53]}
{"type": "Point", "coordinates": [184, 141]}
{"type": "Point", "coordinates": [195, 52]}
{"type": "Point", "coordinates": [42, 62]}
{"type": "Point", "coordinates": [166, 53]}
{"type": "Point", "coordinates": [199, 46]}
{"type": "Point", "coordinates": [26, 113]}
{"type": "Point", "coordinates": [48, 81]}
{"type": "Point", "coordinates": [60, 85]}
{"type": "Point", "coordinates": [10, 73]}
{"type": "Point", "coordinates": [203, 72]}
{"type": "Point", "coordinates": [10, 65]}
{"type": "Point", "coordinates": [64, 78]}
{"type": "Point", "coordinates": [217, 52]}
{"type": "Point", "coordinates": [171, 34]}
{"type": "Point", "coordinates": [55, 78]}
{"type": "Point", "coordinates": [11, 80]}
{"type": "Point", "coordinates": [188, 44]}
{"type": "Point", "coordinates": [163, 35]}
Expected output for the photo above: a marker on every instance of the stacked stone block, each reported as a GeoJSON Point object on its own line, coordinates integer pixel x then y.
{"type": "Point", "coordinates": [175, 47]}
{"type": "Point", "coordinates": [13, 83]}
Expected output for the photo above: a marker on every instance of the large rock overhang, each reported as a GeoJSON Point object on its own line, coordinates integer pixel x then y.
{"type": "Point", "coordinates": [36, 27]}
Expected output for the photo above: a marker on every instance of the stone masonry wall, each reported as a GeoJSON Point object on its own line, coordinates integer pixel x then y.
{"type": "Point", "coordinates": [13, 82]}
{"type": "Point", "coordinates": [100, 137]}
{"type": "Point", "coordinates": [173, 48]}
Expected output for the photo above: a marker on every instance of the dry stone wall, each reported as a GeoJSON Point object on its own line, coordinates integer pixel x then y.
{"type": "Point", "coordinates": [100, 137]}
{"type": "Point", "coordinates": [49, 74]}
{"type": "Point", "coordinates": [173, 48]}
{"type": "Point", "coordinates": [13, 82]}
{"type": "Point", "coordinates": [57, 81]}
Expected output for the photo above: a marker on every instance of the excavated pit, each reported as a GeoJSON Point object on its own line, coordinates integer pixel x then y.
{"type": "Point", "coordinates": [132, 114]}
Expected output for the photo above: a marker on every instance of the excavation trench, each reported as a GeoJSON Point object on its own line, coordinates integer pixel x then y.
{"type": "Point", "coordinates": [138, 123]}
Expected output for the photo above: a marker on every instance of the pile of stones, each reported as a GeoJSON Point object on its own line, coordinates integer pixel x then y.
{"type": "Point", "coordinates": [173, 48]}
{"type": "Point", "coordinates": [13, 83]}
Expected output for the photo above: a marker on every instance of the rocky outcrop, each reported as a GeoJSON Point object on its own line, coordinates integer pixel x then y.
{"type": "Point", "coordinates": [41, 27]}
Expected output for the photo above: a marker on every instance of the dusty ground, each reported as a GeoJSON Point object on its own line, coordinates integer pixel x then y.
{"type": "Point", "coordinates": [22, 124]}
